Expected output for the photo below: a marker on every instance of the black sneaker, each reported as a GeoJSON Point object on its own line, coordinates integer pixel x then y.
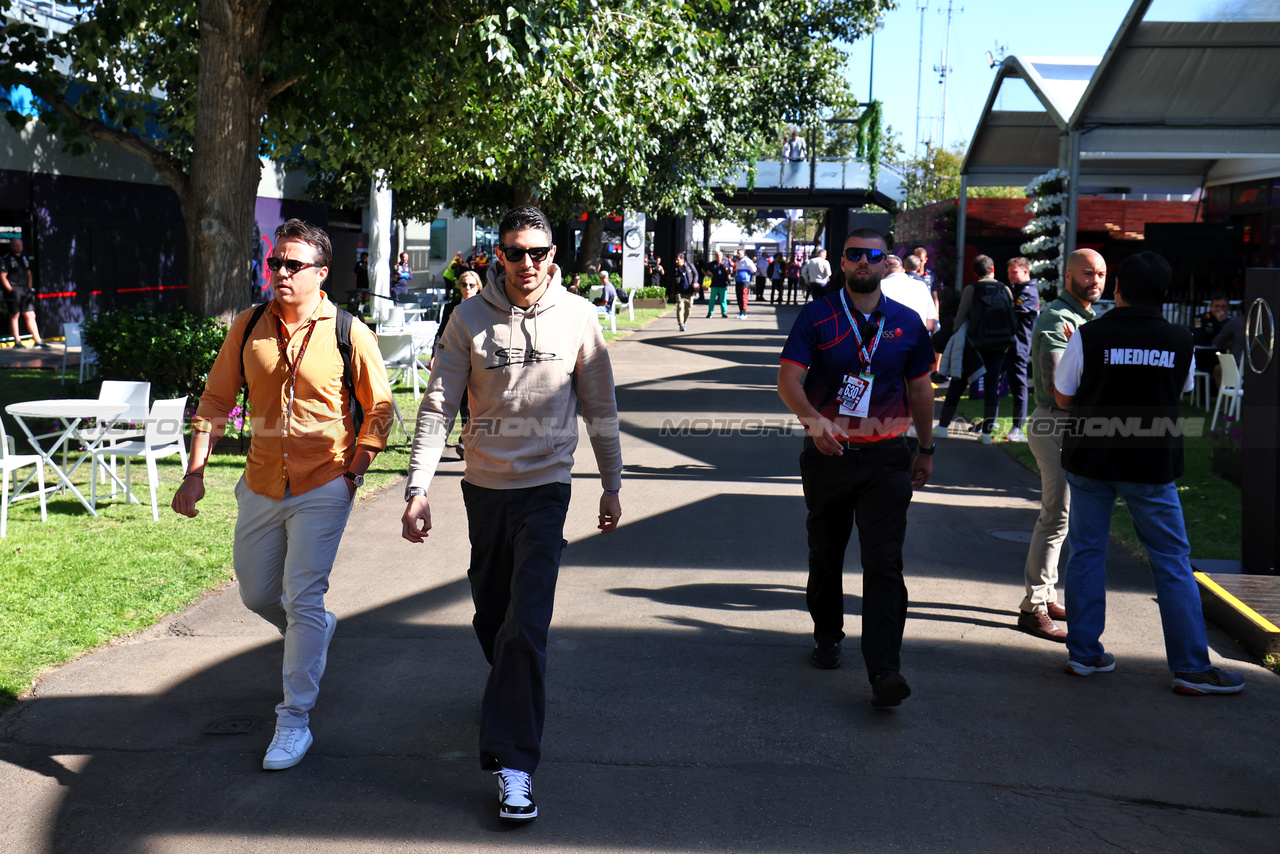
{"type": "Point", "coordinates": [515, 795]}
{"type": "Point", "coordinates": [888, 688]}
{"type": "Point", "coordinates": [44, 345]}
{"type": "Point", "coordinates": [825, 656]}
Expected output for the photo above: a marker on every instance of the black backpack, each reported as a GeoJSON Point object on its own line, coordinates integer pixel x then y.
{"type": "Point", "coordinates": [992, 323]}
{"type": "Point", "coordinates": [343, 334]}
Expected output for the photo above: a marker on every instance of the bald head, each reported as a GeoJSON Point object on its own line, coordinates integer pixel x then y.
{"type": "Point", "coordinates": [1086, 275]}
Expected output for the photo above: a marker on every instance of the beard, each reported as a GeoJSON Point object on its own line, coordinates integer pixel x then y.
{"type": "Point", "coordinates": [865, 283]}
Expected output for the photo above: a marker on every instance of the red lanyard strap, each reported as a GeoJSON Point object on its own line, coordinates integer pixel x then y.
{"type": "Point", "coordinates": [284, 354]}
{"type": "Point", "coordinates": [863, 353]}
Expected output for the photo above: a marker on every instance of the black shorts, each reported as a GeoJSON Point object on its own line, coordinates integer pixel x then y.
{"type": "Point", "coordinates": [20, 300]}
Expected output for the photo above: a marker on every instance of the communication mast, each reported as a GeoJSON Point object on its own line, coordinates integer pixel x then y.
{"type": "Point", "coordinates": [945, 71]}
{"type": "Point", "coordinates": [924, 7]}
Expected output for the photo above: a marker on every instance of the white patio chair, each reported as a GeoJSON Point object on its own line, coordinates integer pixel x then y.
{"type": "Point", "coordinates": [607, 318]}
{"type": "Point", "coordinates": [138, 396]}
{"type": "Point", "coordinates": [398, 358]}
{"type": "Point", "coordinates": [11, 461]}
{"type": "Point", "coordinates": [163, 437]}
{"type": "Point", "coordinates": [75, 338]}
{"type": "Point", "coordinates": [424, 338]}
{"type": "Point", "coordinates": [1231, 389]}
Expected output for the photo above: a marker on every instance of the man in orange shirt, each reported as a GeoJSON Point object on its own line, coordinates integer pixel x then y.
{"type": "Point", "coordinates": [305, 463]}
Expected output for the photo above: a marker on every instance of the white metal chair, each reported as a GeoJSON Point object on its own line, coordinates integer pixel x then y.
{"type": "Point", "coordinates": [424, 338]}
{"type": "Point", "coordinates": [607, 318]}
{"type": "Point", "coordinates": [1231, 388]}
{"type": "Point", "coordinates": [398, 358]}
{"type": "Point", "coordinates": [163, 437]}
{"type": "Point", "coordinates": [12, 461]}
{"type": "Point", "coordinates": [75, 338]}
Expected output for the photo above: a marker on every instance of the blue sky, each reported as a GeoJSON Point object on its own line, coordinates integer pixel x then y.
{"type": "Point", "coordinates": [1027, 27]}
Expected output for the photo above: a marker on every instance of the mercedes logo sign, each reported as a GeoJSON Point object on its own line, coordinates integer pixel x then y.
{"type": "Point", "coordinates": [1259, 336]}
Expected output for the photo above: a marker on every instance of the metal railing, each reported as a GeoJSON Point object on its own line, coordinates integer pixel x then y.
{"type": "Point", "coordinates": [820, 173]}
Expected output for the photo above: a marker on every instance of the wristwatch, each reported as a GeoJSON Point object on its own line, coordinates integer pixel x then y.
{"type": "Point", "coordinates": [928, 452]}
{"type": "Point", "coordinates": [357, 479]}
{"type": "Point", "coordinates": [414, 492]}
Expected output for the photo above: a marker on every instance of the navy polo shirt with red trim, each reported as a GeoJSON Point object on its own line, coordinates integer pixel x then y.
{"type": "Point", "coordinates": [823, 343]}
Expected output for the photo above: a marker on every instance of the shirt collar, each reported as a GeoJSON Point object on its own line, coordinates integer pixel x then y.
{"type": "Point", "coordinates": [323, 311]}
{"type": "Point", "coordinates": [1075, 304]}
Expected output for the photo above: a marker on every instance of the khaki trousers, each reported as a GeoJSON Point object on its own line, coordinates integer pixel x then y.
{"type": "Point", "coordinates": [1044, 437]}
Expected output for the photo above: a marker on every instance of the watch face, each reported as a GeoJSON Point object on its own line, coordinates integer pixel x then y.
{"type": "Point", "coordinates": [633, 239]}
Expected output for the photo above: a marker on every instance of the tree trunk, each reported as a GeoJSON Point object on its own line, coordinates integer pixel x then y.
{"type": "Point", "coordinates": [218, 205]}
{"type": "Point", "coordinates": [589, 253]}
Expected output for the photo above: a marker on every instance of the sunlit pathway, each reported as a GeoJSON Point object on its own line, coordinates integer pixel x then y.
{"type": "Point", "coordinates": [683, 714]}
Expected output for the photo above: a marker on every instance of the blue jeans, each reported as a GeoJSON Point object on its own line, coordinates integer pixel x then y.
{"type": "Point", "coordinates": [1157, 516]}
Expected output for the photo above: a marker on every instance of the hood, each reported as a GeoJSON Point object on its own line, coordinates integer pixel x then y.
{"type": "Point", "coordinates": [496, 293]}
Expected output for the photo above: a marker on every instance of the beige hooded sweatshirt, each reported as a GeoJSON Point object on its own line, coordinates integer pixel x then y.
{"type": "Point", "coordinates": [524, 371]}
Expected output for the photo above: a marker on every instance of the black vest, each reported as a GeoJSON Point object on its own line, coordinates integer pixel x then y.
{"type": "Point", "coordinates": [1125, 420]}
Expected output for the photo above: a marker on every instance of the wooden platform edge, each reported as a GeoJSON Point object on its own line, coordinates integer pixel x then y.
{"type": "Point", "coordinates": [1255, 632]}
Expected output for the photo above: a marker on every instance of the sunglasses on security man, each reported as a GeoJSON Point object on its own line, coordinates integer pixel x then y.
{"type": "Point", "coordinates": [853, 253]}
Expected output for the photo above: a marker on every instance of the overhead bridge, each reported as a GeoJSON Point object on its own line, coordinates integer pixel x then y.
{"type": "Point", "coordinates": [817, 182]}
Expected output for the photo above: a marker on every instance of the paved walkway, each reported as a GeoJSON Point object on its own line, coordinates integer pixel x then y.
{"type": "Point", "coordinates": [683, 714]}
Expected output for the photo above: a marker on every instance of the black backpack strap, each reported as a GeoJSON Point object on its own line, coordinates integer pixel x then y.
{"type": "Point", "coordinates": [343, 330]}
{"type": "Point", "coordinates": [253, 321]}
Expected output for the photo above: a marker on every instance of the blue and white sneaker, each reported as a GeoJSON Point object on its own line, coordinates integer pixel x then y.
{"type": "Point", "coordinates": [1104, 663]}
{"type": "Point", "coordinates": [1211, 681]}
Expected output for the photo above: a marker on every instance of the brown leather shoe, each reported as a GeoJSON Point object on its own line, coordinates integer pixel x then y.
{"type": "Point", "coordinates": [1041, 625]}
{"type": "Point", "coordinates": [1057, 612]}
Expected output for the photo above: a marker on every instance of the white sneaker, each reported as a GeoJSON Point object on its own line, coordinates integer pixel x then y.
{"type": "Point", "coordinates": [287, 748]}
{"type": "Point", "coordinates": [515, 795]}
{"type": "Point", "coordinates": [1015, 435]}
{"type": "Point", "coordinates": [940, 432]}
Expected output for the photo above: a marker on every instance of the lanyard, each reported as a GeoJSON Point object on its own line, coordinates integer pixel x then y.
{"type": "Point", "coordinates": [863, 353]}
{"type": "Point", "coordinates": [292, 367]}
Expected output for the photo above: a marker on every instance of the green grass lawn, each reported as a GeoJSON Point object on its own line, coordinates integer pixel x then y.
{"type": "Point", "coordinates": [1211, 506]}
{"type": "Point", "coordinates": [76, 582]}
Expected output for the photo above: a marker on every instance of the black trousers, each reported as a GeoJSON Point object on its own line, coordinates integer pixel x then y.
{"type": "Point", "coordinates": [872, 487]}
{"type": "Point", "coordinates": [1016, 363]}
{"type": "Point", "coordinates": [993, 360]}
{"type": "Point", "coordinates": [517, 537]}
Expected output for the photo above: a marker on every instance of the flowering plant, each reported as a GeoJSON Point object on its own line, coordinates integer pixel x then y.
{"type": "Point", "coordinates": [238, 424]}
{"type": "Point", "coordinates": [1228, 437]}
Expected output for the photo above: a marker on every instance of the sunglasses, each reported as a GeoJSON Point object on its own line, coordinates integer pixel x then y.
{"type": "Point", "coordinates": [293, 266]}
{"type": "Point", "coordinates": [853, 254]}
{"type": "Point", "coordinates": [515, 254]}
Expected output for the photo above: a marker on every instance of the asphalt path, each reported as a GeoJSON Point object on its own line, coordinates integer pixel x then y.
{"type": "Point", "coordinates": [683, 714]}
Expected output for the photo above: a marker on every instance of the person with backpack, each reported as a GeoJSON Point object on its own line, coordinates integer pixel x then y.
{"type": "Point", "coordinates": [313, 439]}
{"type": "Point", "coordinates": [987, 319]}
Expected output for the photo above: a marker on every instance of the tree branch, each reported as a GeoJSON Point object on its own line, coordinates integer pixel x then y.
{"type": "Point", "coordinates": [168, 166]}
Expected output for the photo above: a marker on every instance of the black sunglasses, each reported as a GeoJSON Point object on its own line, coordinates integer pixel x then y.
{"type": "Point", "coordinates": [293, 266]}
{"type": "Point", "coordinates": [854, 253]}
{"type": "Point", "coordinates": [515, 254]}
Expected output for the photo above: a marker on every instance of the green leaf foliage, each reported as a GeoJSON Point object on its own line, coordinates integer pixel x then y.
{"type": "Point", "coordinates": [174, 352]}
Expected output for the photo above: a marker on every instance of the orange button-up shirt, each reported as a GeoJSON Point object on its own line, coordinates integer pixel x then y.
{"type": "Point", "coordinates": [310, 444]}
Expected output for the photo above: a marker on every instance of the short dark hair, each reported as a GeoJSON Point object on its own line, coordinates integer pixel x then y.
{"type": "Point", "coordinates": [984, 266]}
{"type": "Point", "coordinates": [305, 232]}
{"type": "Point", "coordinates": [523, 218]}
{"type": "Point", "coordinates": [866, 233]}
{"type": "Point", "coordinates": [1217, 295]}
{"type": "Point", "coordinates": [1021, 263]}
{"type": "Point", "coordinates": [1144, 279]}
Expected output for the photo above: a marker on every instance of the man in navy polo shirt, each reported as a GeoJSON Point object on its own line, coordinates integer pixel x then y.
{"type": "Point", "coordinates": [855, 371]}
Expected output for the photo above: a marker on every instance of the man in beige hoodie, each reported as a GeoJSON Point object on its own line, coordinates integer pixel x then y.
{"type": "Point", "coordinates": [525, 351]}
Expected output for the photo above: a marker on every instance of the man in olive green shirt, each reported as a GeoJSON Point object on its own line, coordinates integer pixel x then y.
{"type": "Point", "coordinates": [1085, 277]}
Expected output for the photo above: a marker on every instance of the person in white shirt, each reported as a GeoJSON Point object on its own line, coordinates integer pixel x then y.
{"type": "Point", "coordinates": [817, 273]}
{"type": "Point", "coordinates": [901, 288]}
